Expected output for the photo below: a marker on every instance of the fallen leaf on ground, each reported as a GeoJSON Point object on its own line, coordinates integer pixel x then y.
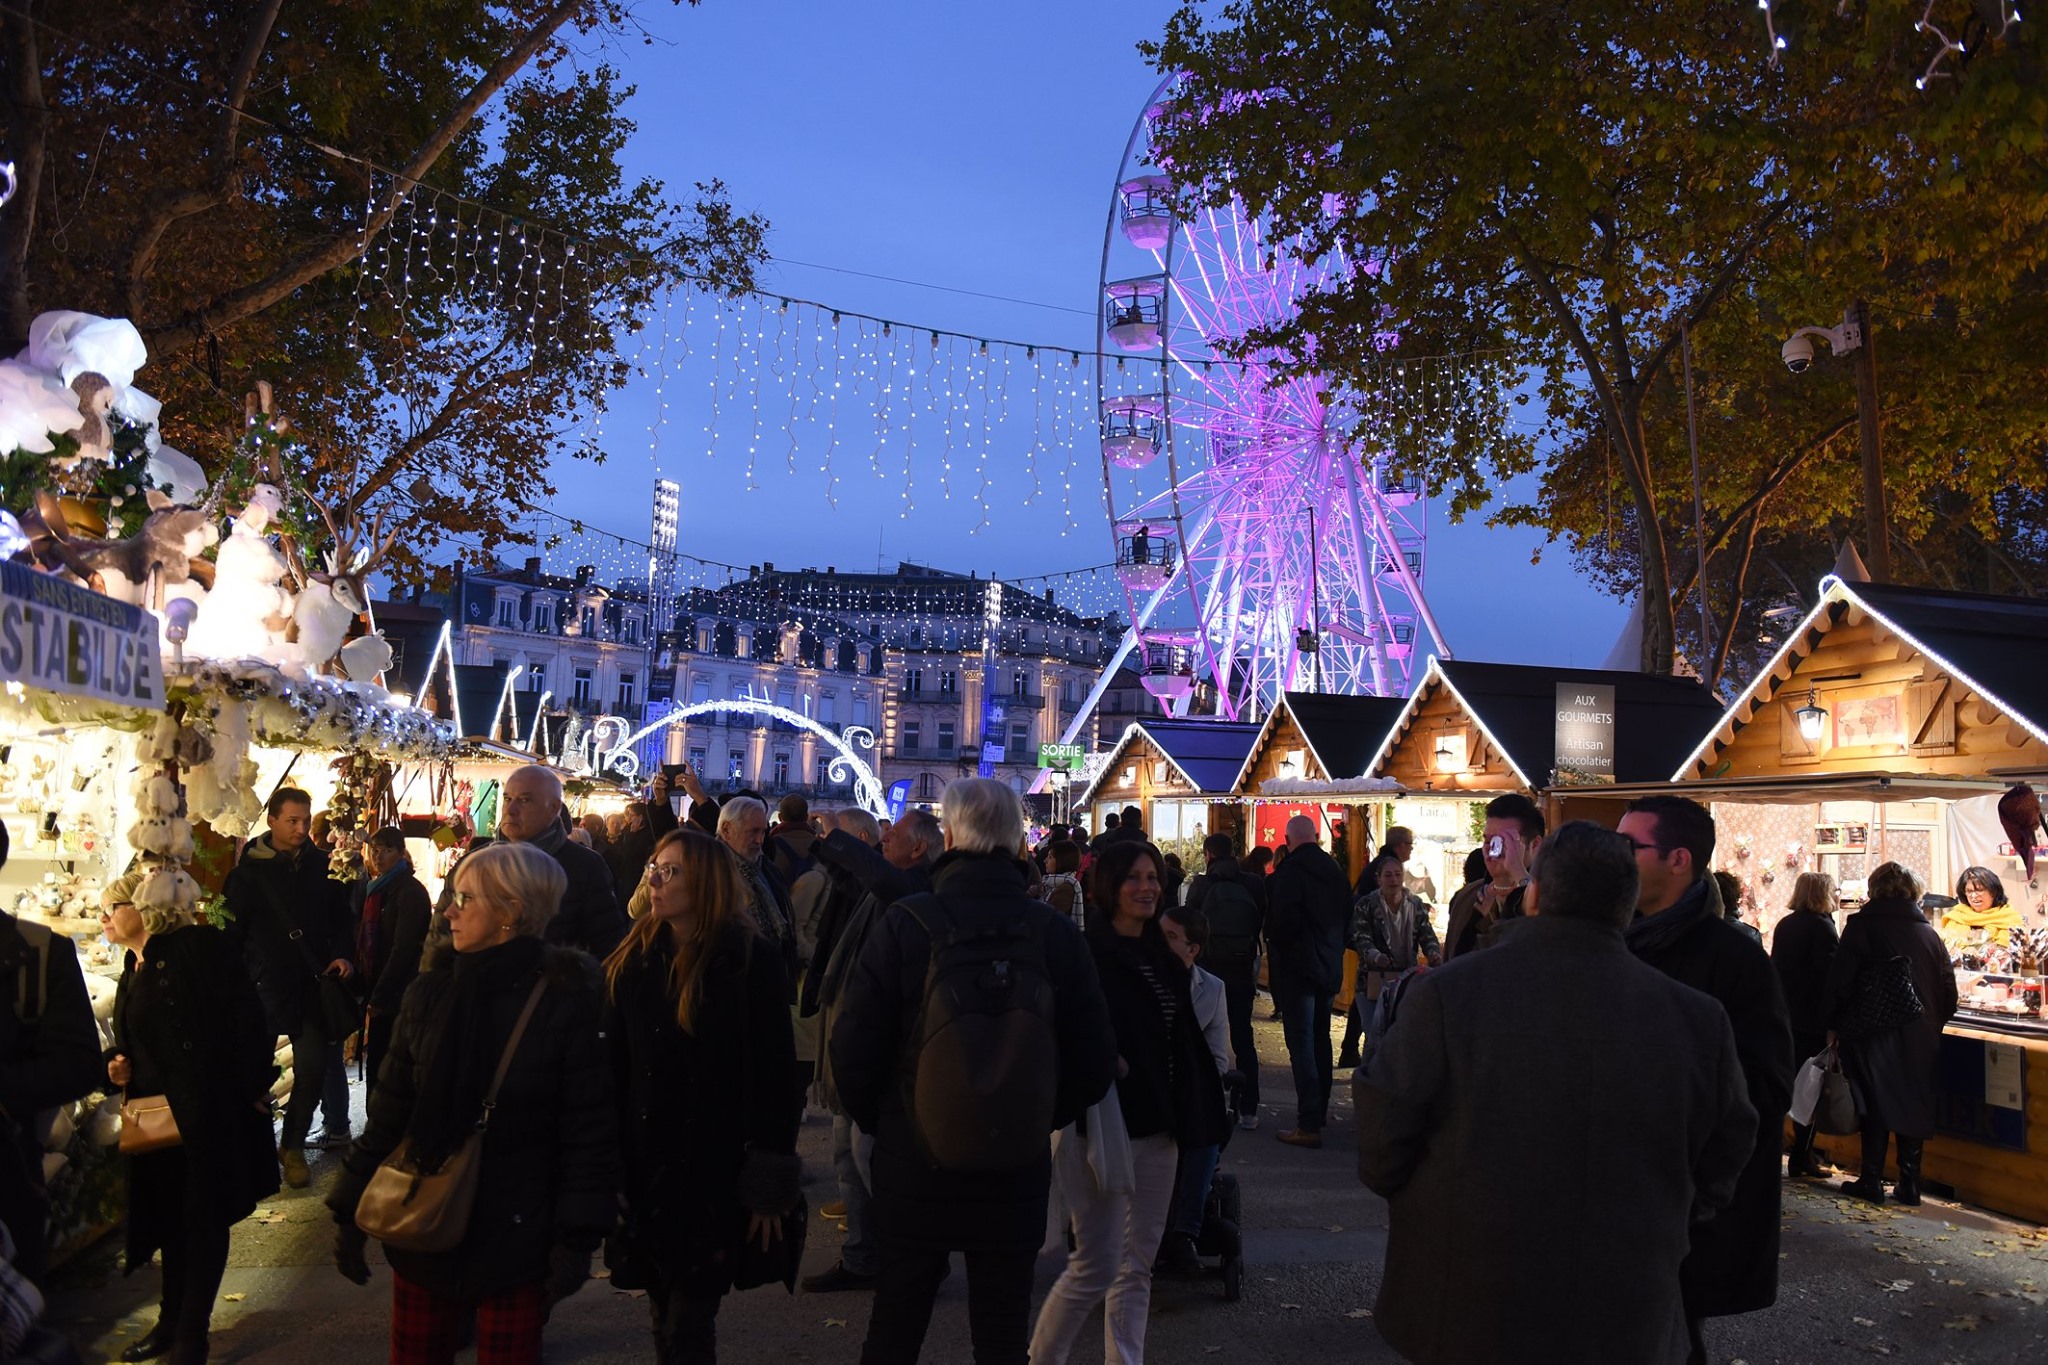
{"type": "Point", "coordinates": [1290, 1305]}
{"type": "Point", "coordinates": [1894, 1286]}
{"type": "Point", "coordinates": [835, 1322]}
{"type": "Point", "coordinates": [233, 1298]}
{"type": "Point", "coordinates": [1863, 1322]}
{"type": "Point", "coordinates": [1334, 1227]}
{"type": "Point", "coordinates": [1359, 1313]}
{"type": "Point", "coordinates": [1966, 1323]}
{"type": "Point", "coordinates": [2031, 1297]}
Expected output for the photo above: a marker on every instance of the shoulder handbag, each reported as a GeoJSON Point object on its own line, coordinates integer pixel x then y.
{"type": "Point", "coordinates": [148, 1125]}
{"type": "Point", "coordinates": [780, 1263]}
{"type": "Point", "coordinates": [1884, 1000]}
{"type": "Point", "coordinates": [419, 1210]}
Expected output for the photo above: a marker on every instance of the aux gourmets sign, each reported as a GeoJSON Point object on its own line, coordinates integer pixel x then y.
{"type": "Point", "coordinates": [63, 638]}
{"type": "Point", "coordinates": [1585, 734]}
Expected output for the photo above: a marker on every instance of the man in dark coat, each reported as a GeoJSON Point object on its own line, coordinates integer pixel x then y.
{"type": "Point", "coordinates": [898, 865]}
{"type": "Point", "coordinates": [290, 921]}
{"type": "Point", "coordinates": [1233, 955]}
{"type": "Point", "coordinates": [923, 1212]}
{"type": "Point", "coordinates": [1551, 1093]}
{"type": "Point", "coordinates": [531, 813]}
{"type": "Point", "coordinates": [1802, 949]}
{"type": "Point", "coordinates": [49, 1056]}
{"type": "Point", "coordinates": [393, 917]}
{"type": "Point", "coordinates": [1308, 914]}
{"type": "Point", "coordinates": [1679, 930]}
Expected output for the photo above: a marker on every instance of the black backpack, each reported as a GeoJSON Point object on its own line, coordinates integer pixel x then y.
{"type": "Point", "coordinates": [1234, 921]}
{"type": "Point", "coordinates": [982, 1072]}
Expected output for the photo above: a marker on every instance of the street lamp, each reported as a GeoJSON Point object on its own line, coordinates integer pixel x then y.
{"type": "Point", "coordinates": [1853, 335]}
{"type": "Point", "coordinates": [1812, 717]}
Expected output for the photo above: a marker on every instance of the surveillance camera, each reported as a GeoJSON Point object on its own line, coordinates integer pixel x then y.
{"type": "Point", "coordinates": [1798, 353]}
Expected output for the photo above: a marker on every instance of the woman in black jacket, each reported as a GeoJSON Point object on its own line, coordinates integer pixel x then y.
{"type": "Point", "coordinates": [188, 1026]}
{"type": "Point", "coordinates": [1802, 949]}
{"type": "Point", "coordinates": [393, 916]}
{"type": "Point", "coordinates": [1167, 1094]}
{"type": "Point", "coordinates": [1892, 1073]}
{"type": "Point", "coordinates": [705, 1069]}
{"type": "Point", "coordinates": [547, 1186]}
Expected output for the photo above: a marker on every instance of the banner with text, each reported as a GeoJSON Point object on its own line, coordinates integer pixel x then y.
{"type": "Point", "coordinates": [67, 639]}
{"type": "Point", "coordinates": [1585, 734]}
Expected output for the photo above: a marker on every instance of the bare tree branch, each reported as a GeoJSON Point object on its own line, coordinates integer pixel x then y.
{"type": "Point", "coordinates": [1771, 483]}
{"type": "Point", "coordinates": [28, 135]}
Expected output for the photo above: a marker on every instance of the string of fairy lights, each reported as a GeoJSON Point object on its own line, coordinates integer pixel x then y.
{"type": "Point", "coordinates": [1946, 46]}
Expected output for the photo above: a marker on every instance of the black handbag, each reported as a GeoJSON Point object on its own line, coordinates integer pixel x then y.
{"type": "Point", "coordinates": [1884, 1000]}
{"type": "Point", "coordinates": [753, 1267]}
{"type": "Point", "coordinates": [341, 1010]}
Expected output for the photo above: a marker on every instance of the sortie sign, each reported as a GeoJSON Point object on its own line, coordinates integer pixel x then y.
{"type": "Point", "coordinates": [63, 638]}
{"type": "Point", "coordinates": [1585, 734]}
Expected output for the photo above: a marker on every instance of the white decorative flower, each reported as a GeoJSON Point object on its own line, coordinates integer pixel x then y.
{"type": "Point", "coordinates": [71, 344]}
{"type": "Point", "coordinates": [33, 405]}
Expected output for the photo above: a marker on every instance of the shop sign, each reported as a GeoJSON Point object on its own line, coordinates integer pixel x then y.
{"type": "Point", "coordinates": [64, 638]}
{"type": "Point", "coordinates": [1068, 757]}
{"type": "Point", "coordinates": [898, 798]}
{"type": "Point", "coordinates": [1585, 734]}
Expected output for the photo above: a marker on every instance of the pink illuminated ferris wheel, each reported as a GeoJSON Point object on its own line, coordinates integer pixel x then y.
{"type": "Point", "coordinates": [1260, 549]}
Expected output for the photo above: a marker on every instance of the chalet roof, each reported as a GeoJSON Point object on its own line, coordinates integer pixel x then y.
{"type": "Point", "coordinates": [1656, 718]}
{"type": "Point", "coordinates": [1343, 732]}
{"type": "Point", "coordinates": [1996, 646]}
{"type": "Point", "coordinates": [1208, 753]}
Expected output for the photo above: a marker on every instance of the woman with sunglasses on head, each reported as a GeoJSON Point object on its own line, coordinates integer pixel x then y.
{"type": "Point", "coordinates": [546, 1190]}
{"type": "Point", "coordinates": [705, 1069]}
{"type": "Point", "coordinates": [189, 1027]}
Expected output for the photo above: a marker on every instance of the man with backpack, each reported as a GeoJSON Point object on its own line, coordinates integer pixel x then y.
{"type": "Point", "coordinates": [972, 1029]}
{"type": "Point", "coordinates": [1234, 902]}
{"type": "Point", "coordinates": [49, 1056]}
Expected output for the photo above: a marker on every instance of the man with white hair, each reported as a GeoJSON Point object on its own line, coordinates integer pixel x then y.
{"type": "Point", "coordinates": [743, 828]}
{"type": "Point", "coordinates": [1307, 915]}
{"type": "Point", "coordinates": [1013, 1042]}
{"type": "Point", "coordinates": [530, 812]}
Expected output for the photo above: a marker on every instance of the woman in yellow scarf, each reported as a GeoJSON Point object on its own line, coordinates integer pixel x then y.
{"type": "Point", "coordinates": [1983, 913]}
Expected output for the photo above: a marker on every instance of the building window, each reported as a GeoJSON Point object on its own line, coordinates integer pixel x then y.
{"type": "Point", "coordinates": [927, 787]}
{"type": "Point", "coordinates": [828, 708]}
{"type": "Point", "coordinates": [543, 618]}
{"type": "Point", "coordinates": [505, 618]}
{"type": "Point", "coordinates": [1020, 740]}
{"type": "Point", "coordinates": [700, 689]}
{"type": "Point", "coordinates": [1018, 684]}
{"type": "Point", "coordinates": [849, 656]}
{"type": "Point", "coordinates": [945, 736]}
{"type": "Point", "coordinates": [913, 681]}
{"type": "Point", "coordinates": [782, 770]}
{"type": "Point", "coordinates": [785, 697]}
{"type": "Point", "coordinates": [632, 630]}
{"type": "Point", "coordinates": [860, 708]}
{"type": "Point", "coordinates": [911, 735]}
{"type": "Point", "coordinates": [629, 685]}
{"type": "Point", "coordinates": [537, 677]}
{"type": "Point", "coordinates": [824, 774]}
{"type": "Point", "coordinates": [580, 692]}
{"type": "Point", "coordinates": [949, 683]}
{"type": "Point", "coordinates": [703, 639]}
{"type": "Point", "coordinates": [1066, 689]}
{"type": "Point", "coordinates": [735, 762]}
{"type": "Point", "coordinates": [697, 760]}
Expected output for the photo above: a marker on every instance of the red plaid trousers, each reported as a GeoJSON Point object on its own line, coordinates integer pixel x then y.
{"type": "Point", "coordinates": [425, 1327]}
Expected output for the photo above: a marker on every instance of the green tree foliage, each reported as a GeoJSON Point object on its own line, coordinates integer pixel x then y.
{"type": "Point", "coordinates": [1584, 181]}
{"type": "Point", "coordinates": [235, 176]}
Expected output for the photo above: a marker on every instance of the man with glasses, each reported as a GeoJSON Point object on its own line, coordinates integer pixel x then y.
{"type": "Point", "coordinates": [1679, 929]}
{"type": "Point", "coordinates": [530, 812]}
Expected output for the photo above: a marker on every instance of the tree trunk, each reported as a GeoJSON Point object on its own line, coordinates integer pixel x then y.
{"type": "Point", "coordinates": [27, 135]}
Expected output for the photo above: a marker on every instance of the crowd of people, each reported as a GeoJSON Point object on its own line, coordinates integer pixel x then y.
{"type": "Point", "coordinates": [604, 1038]}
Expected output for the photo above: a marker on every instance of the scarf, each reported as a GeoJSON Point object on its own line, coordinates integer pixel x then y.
{"type": "Point", "coordinates": [761, 900]}
{"type": "Point", "coordinates": [1649, 935]}
{"type": "Point", "coordinates": [369, 929]}
{"type": "Point", "coordinates": [464, 1045]}
{"type": "Point", "coordinates": [1960, 925]}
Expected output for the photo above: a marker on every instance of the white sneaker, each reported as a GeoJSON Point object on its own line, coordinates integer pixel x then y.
{"type": "Point", "coordinates": [1249, 1122]}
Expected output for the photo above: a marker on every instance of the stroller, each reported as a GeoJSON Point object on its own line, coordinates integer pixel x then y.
{"type": "Point", "coordinates": [1222, 1235]}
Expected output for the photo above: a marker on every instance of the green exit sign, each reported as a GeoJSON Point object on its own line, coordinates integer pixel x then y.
{"type": "Point", "coordinates": [1068, 756]}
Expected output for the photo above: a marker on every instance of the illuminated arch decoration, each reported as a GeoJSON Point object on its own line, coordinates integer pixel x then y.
{"type": "Point", "coordinates": [608, 746]}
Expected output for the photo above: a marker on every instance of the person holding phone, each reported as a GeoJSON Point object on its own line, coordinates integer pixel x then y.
{"type": "Point", "coordinates": [1513, 833]}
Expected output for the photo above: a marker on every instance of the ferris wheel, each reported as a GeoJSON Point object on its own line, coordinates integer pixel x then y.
{"type": "Point", "coordinates": [1260, 549]}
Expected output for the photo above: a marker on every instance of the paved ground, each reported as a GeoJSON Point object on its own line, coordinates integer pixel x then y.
{"type": "Point", "coordinates": [1938, 1284]}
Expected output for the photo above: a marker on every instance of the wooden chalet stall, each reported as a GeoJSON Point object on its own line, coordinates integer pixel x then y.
{"type": "Point", "coordinates": [1473, 731]}
{"type": "Point", "coordinates": [1886, 729]}
{"type": "Point", "coordinates": [1313, 737]}
{"type": "Point", "coordinates": [1179, 773]}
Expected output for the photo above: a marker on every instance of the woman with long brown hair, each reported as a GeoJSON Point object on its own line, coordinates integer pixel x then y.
{"type": "Point", "coordinates": [705, 1068]}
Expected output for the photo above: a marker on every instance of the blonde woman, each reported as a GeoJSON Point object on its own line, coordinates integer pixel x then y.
{"type": "Point", "coordinates": [1803, 950]}
{"type": "Point", "coordinates": [705, 1066]}
{"type": "Point", "coordinates": [546, 1192]}
{"type": "Point", "coordinates": [188, 1026]}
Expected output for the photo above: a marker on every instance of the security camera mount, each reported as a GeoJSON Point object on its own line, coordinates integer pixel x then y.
{"type": "Point", "coordinates": [1842, 339]}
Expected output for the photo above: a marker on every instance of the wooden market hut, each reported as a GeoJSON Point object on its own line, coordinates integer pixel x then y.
{"type": "Point", "coordinates": [1480, 730]}
{"type": "Point", "coordinates": [1313, 737]}
{"type": "Point", "coordinates": [1166, 766]}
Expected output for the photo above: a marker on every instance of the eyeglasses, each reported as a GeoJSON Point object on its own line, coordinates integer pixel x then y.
{"type": "Point", "coordinates": [661, 874]}
{"type": "Point", "coordinates": [463, 898]}
{"type": "Point", "coordinates": [1639, 846]}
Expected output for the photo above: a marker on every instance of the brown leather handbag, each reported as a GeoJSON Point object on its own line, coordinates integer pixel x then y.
{"type": "Point", "coordinates": [148, 1125]}
{"type": "Point", "coordinates": [412, 1209]}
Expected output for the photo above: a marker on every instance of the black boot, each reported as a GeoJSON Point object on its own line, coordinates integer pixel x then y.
{"type": "Point", "coordinates": [1907, 1188]}
{"type": "Point", "coordinates": [1800, 1165]}
{"type": "Point", "coordinates": [1870, 1184]}
{"type": "Point", "coordinates": [155, 1342]}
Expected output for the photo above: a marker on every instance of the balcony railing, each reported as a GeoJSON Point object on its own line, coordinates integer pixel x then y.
{"type": "Point", "coordinates": [1022, 701]}
{"type": "Point", "coordinates": [927, 696]}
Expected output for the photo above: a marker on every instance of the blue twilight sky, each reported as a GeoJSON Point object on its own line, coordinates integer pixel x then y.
{"type": "Point", "coordinates": [971, 146]}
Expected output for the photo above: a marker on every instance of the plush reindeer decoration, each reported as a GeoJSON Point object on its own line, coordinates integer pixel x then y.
{"type": "Point", "coordinates": [330, 602]}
